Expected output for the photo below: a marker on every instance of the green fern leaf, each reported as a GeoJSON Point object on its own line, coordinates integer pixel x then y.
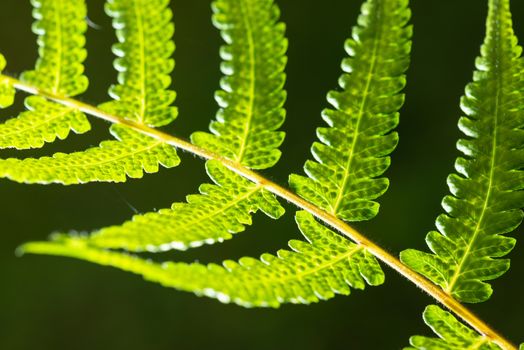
{"type": "Point", "coordinates": [144, 31]}
{"type": "Point", "coordinates": [60, 26]}
{"type": "Point", "coordinates": [7, 91]}
{"type": "Point", "coordinates": [487, 197]}
{"type": "Point", "coordinates": [452, 334]}
{"type": "Point", "coordinates": [252, 94]}
{"type": "Point", "coordinates": [220, 211]}
{"type": "Point", "coordinates": [131, 155]}
{"type": "Point", "coordinates": [43, 122]}
{"type": "Point", "coordinates": [346, 177]}
{"type": "Point", "coordinates": [326, 265]}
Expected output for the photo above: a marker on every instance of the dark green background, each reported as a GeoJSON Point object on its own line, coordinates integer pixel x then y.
{"type": "Point", "coordinates": [56, 303]}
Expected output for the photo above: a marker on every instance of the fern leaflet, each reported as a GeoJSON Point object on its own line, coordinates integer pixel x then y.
{"type": "Point", "coordinates": [452, 334]}
{"type": "Point", "coordinates": [252, 92]}
{"type": "Point", "coordinates": [43, 122]}
{"type": "Point", "coordinates": [487, 197]}
{"type": "Point", "coordinates": [144, 30]}
{"type": "Point", "coordinates": [112, 161]}
{"type": "Point", "coordinates": [316, 270]}
{"type": "Point", "coordinates": [61, 26]}
{"type": "Point", "coordinates": [213, 216]}
{"type": "Point", "coordinates": [345, 179]}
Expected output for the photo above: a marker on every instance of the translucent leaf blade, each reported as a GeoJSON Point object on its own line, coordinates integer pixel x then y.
{"type": "Point", "coordinates": [452, 334]}
{"type": "Point", "coordinates": [60, 26]}
{"type": "Point", "coordinates": [346, 176]}
{"type": "Point", "coordinates": [315, 270]}
{"type": "Point", "coordinates": [252, 95]}
{"type": "Point", "coordinates": [486, 192]}
{"type": "Point", "coordinates": [113, 161]}
{"type": "Point", "coordinates": [44, 121]}
{"type": "Point", "coordinates": [220, 211]}
{"type": "Point", "coordinates": [144, 31]}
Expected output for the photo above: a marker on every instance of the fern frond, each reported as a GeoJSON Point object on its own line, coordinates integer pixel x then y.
{"type": "Point", "coordinates": [452, 334]}
{"type": "Point", "coordinates": [354, 153]}
{"type": "Point", "coordinates": [486, 196]}
{"type": "Point", "coordinates": [314, 270]}
{"type": "Point", "coordinates": [60, 26]}
{"type": "Point", "coordinates": [144, 30]}
{"type": "Point", "coordinates": [113, 161]}
{"type": "Point", "coordinates": [213, 216]}
{"type": "Point", "coordinates": [7, 91]}
{"type": "Point", "coordinates": [252, 94]}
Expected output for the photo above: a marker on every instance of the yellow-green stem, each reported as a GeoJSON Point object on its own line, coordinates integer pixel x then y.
{"type": "Point", "coordinates": [427, 286]}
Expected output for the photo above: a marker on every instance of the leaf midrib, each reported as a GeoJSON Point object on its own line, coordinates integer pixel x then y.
{"type": "Point", "coordinates": [60, 49]}
{"type": "Point", "coordinates": [252, 80]}
{"type": "Point", "coordinates": [346, 255]}
{"type": "Point", "coordinates": [142, 61]}
{"type": "Point", "coordinates": [111, 160]}
{"type": "Point", "coordinates": [476, 345]}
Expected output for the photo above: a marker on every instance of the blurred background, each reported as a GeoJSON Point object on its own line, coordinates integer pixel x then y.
{"type": "Point", "coordinates": [58, 303]}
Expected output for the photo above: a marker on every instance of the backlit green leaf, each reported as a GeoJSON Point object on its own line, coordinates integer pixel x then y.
{"type": "Point", "coordinates": [354, 151]}
{"type": "Point", "coordinates": [487, 194]}
{"type": "Point", "coordinates": [214, 215]}
{"type": "Point", "coordinates": [252, 95]}
{"type": "Point", "coordinates": [113, 161]}
{"type": "Point", "coordinates": [452, 335]}
{"type": "Point", "coordinates": [144, 30]}
{"type": "Point", "coordinates": [315, 270]}
{"type": "Point", "coordinates": [60, 26]}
